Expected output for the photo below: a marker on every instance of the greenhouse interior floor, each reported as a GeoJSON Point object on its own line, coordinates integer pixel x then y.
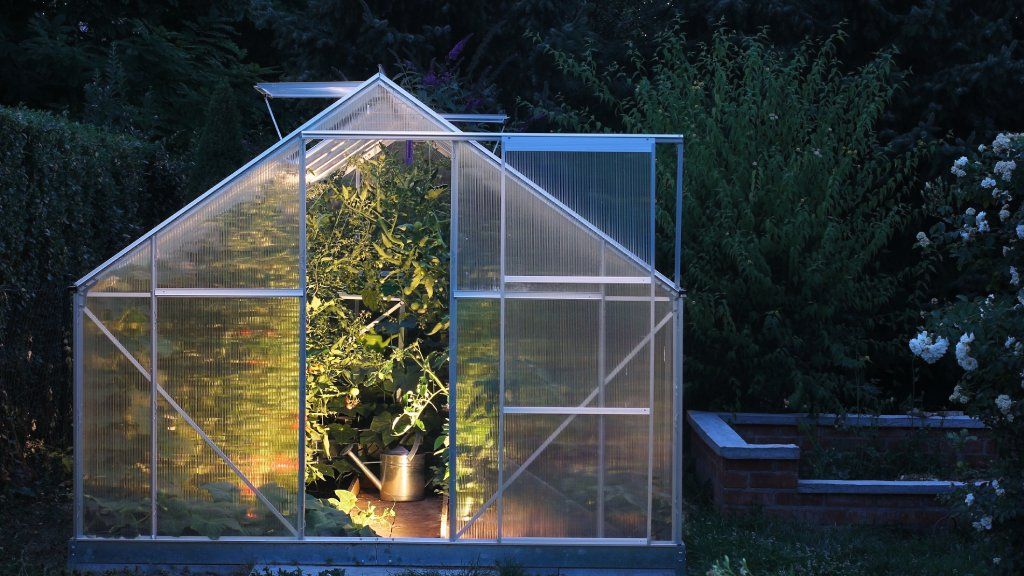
{"type": "Point", "coordinates": [420, 519]}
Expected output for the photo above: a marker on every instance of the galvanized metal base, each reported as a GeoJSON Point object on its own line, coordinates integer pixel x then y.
{"type": "Point", "coordinates": [241, 556]}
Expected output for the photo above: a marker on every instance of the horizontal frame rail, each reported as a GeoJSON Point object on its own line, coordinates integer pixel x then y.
{"type": "Point", "coordinates": [578, 410]}
{"type": "Point", "coordinates": [229, 293]}
{"type": "Point", "coordinates": [478, 136]}
{"type": "Point", "coordinates": [549, 295]}
{"type": "Point", "coordinates": [578, 279]}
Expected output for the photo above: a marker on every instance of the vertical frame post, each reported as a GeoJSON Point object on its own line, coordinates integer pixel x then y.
{"type": "Point", "coordinates": [650, 347]}
{"type": "Point", "coordinates": [153, 379]}
{"type": "Point", "coordinates": [501, 344]}
{"type": "Point", "coordinates": [300, 520]}
{"type": "Point", "coordinates": [453, 340]}
{"type": "Point", "coordinates": [77, 303]}
{"type": "Point", "coordinates": [677, 360]}
{"type": "Point", "coordinates": [601, 353]}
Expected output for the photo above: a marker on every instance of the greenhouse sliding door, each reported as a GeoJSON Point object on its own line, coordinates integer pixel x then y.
{"type": "Point", "coordinates": [562, 344]}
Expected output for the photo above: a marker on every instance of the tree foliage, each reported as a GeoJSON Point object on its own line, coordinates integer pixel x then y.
{"type": "Point", "coordinates": [790, 204]}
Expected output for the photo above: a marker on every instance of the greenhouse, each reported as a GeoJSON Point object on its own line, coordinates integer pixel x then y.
{"type": "Point", "coordinates": [386, 341]}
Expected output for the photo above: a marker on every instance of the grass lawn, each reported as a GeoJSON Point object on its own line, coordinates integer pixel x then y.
{"type": "Point", "coordinates": [34, 531]}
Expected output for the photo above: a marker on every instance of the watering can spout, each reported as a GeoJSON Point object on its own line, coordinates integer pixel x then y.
{"type": "Point", "coordinates": [348, 451]}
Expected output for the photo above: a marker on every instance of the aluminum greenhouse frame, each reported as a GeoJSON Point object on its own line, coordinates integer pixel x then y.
{"type": "Point", "coordinates": [565, 408]}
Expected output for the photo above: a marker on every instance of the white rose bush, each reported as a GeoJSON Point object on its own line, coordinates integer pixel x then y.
{"type": "Point", "coordinates": [983, 323]}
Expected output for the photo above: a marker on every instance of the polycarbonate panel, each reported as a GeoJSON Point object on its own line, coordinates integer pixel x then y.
{"type": "Point", "coordinates": [627, 363]}
{"type": "Point", "coordinates": [130, 273]}
{"type": "Point", "coordinates": [556, 495]}
{"type": "Point", "coordinates": [476, 414]}
{"type": "Point", "coordinates": [478, 244]}
{"type": "Point", "coordinates": [661, 516]}
{"type": "Point", "coordinates": [232, 364]}
{"type": "Point", "coordinates": [115, 439]}
{"type": "Point", "coordinates": [611, 190]}
{"type": "Point", "coordinates": [540, 240]}
{"type": "Point", "coordinates": [625, 476]}
{"type": "Point", "coordinates": [128, 320]}
{"type": "Point", "coordinates": [338, 156]}
{"type": "Point", "coordinates": [378, 108]}
{"type": "Point", "coordinates": [551, 352]}
{"type": "Point", "coordinates": [200, 495]}
{"type": "Point", "coordinates": [246, 235]}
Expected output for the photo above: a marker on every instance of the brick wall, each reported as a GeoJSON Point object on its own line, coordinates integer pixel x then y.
{"type": "Point", "coordinates": [772, 485]}
{"type": "Point", "coordinates": [977, 453]}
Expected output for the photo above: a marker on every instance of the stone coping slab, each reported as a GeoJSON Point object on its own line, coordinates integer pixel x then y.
{"type": "Point", "coordinates": [879, 487]}
{"type": "Point", "coordinates": [956, 421]}
{"type": "Point", "coordinates": [725, 442]}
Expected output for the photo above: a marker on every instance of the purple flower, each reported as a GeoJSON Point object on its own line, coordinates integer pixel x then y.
{"type": "Point", "coordinates": [456, 50]}
{"type": "Point", "coordinates": [408, 152]}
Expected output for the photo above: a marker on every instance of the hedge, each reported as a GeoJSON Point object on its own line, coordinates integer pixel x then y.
{"type": "Point", "coordinates": [71, 195]}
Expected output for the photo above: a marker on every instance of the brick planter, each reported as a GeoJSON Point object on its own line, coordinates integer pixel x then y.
{"type": "Point", "coordinates": [752, 463]}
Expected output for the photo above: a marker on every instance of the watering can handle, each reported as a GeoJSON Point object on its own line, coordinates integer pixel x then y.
{"type": "Point", "coordinates": [415, 446]}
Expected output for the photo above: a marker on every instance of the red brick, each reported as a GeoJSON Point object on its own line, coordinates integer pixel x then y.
{"type": "Point", "coordinates": [773, 480]}
{"type": "Point", "coordinates": [746, 498]}
{"type": "Point", "coordinates": [791, 466]}
{"type": "Point", "coordinates": [797, 499]}
{"type": "Point", "coordinates": [749, 465]}
{"type": "Point", "coordinates": [733, 479]}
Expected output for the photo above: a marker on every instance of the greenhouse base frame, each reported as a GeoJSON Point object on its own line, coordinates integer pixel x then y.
{"type": "Point", "coordinates": [231, 554]}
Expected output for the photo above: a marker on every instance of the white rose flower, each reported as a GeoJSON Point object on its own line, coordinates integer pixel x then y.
{"type": "Point", "coordinates": [1001, 144]}
{"type": "Point", "coordinates": [981, 222]}
{"type": "Point", "coordinates": [971, 212]}
{"type": "Point", "coordinates": [928, 347]}
{"type": "Point", "coordinates": [969, 499]}
{"type": "Point", "coordinates": [1014, 276]}
{"type": "Point", "coordinates": [988, 183]}
{"type": "Point", "coordinates": [963, 353]}
{"type": "Point", "coordinates": [1004, 214]}
{"type": "Point", "coordinates": [1005, 169]}
{"type": "Point", "coordinates": [922, 239]}
{"type": "Point", "coordinates": [1004, 403]}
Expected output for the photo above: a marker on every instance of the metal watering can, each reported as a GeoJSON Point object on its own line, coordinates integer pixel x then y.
{"type": "Point", "coordinates": [403, 472]}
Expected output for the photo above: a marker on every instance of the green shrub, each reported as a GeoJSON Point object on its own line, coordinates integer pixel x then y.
{"type": "Point", "coordinates": [71, 196]}
{"type": "Point", "coordinates": [790, 203]}
{"type": "Point", "coordinates": [979, 228]}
